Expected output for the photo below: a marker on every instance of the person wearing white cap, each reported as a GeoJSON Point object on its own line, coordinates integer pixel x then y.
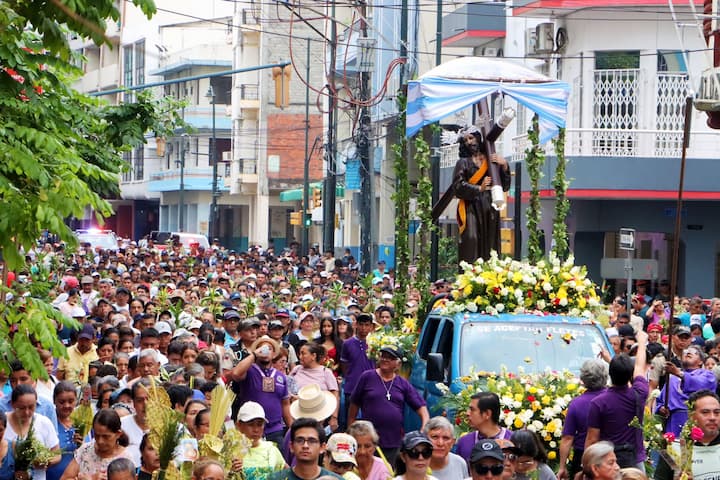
{"type": "Point", "coordinates": [263, 458]}
{"type": "Point", "coordinates": [340, 457]}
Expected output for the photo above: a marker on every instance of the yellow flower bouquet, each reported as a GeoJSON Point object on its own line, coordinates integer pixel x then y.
{"type": "Point", "coordinates": [503, 285]}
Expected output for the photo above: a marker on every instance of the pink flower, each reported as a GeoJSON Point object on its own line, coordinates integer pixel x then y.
{"type": "Point", "coordinates": [669, 436]}
{"type": "Point", "coordinates": [14, 75]}
{"type": "Point", "coordinates": [696, 434]}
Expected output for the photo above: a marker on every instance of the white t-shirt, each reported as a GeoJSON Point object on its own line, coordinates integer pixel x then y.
{"type": "Point", "coordinates": [44, 431]}
{"type": "Point", "coordinates": [135, 435]}
{"type": "Point", "coordinates": [456, 468]}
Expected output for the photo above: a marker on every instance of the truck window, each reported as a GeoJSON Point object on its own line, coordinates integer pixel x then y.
{"type": "Point", "coordinates": [428, 338]}
{"type": "Point", "coordinates": [444, 346]}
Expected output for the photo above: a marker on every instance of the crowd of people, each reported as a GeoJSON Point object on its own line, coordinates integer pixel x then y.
{"type": "Point", "coordinates": [274, 330]}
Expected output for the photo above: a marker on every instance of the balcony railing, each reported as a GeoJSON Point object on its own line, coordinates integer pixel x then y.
{"type": "Point", "coordinates": [249, 91]}
{"type": "Point", "coordinates": [599, 142]}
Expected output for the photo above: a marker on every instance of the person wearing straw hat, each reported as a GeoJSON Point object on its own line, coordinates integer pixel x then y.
{"type": "Point", "coordinates": [313, 402]}
{"type": "Point", "coordinates": [381, 395]}
{"type": "Point", "coordinates": [255, 379]}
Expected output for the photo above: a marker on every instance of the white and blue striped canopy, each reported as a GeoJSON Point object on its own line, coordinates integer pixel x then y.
{"type": "Point", "coordinates": [462, 82]}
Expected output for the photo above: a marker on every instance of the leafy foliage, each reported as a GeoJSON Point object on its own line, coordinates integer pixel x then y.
{"type": "Point", "coordinates": [60, 150]}
{"type": "Point", "coordinates": [562, 204]}
{"type": "Point", "coordinates": [424, 213]}
{"type": "Point", "coordinates": [534, 159]}
{"type": "Point", "coordinates": [401, 197]}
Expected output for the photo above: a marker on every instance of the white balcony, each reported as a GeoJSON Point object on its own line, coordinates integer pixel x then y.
{"type": "Point", "coordinates": [99, 79]}
{"type": "Point", "coordinates": [601, 142]}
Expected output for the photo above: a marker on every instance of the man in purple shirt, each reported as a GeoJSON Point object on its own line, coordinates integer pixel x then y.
{"type": "Point", "coordinates": [612, 411]}
{"type": "Point", "coordinates": [381, 395]}
{"type": "Point", "coordinates": [682, 383]}
{"type": "Point", "coordinates": [254, 379]}
{"type": "Point", "coordinates": [484, 417]}
{"type": "Point", "coordinates": [594, 375]}
{"type": "Point", "coordinates": [354, 360]}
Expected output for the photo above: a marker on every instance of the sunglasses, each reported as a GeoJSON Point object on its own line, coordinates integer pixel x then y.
{"type": "Point", "coordinates": [495, 470]}
{"type": "Point", "coordinates": [415, 454]}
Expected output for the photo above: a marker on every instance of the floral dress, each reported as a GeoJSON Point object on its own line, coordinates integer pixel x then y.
{"type": "Point", "coordinates": [90, 463]}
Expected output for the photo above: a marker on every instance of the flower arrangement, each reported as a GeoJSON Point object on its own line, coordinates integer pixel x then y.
{"type": "Point", "coordinates": [537, 402]}
{"type": "Point", "coordinates": [680, 450]}
{"type": "Point", "coordinates": [82, 416]}
{"type": "Point", "coordinates": [652, 428]}
{"type": "Point", "coordinates": [30, 451]}
{"type": "Point", "coordinates": [504, 285]}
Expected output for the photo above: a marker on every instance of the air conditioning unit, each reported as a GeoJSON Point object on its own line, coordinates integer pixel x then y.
{"type": "Point", "coordinates": [227, 156]}
{"type": "Point", "coordinates": [545, 38]}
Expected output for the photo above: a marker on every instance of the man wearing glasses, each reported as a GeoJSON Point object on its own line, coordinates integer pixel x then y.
{"type": "Point", "coordinates": [307, 442]}
{"type": "Point", "coordinates": [487, 460]}
{"type": "Point", "coordinates": [684, 382]}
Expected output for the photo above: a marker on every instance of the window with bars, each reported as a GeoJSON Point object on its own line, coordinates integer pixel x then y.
{"type": "Point", "coordinates": [140, 62]}
{"type": "Point", "coordinates": [127, 174]}
{"type": "Point", "coordinates": [139, 163]}
{"type": "Point", "coordinates": [128, 70]}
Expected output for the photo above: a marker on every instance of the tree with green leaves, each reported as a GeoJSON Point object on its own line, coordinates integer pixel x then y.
{"type": "Point", "coordinates": [60, 150]}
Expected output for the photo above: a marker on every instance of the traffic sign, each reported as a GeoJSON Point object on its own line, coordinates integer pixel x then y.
{"type": "Point", "coordinates": [627, 239]}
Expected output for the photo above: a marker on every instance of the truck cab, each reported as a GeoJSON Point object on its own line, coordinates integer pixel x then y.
{"type": "Point", "coordinates": [467, 344]}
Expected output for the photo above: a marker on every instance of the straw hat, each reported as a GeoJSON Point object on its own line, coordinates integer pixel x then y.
{"type": "Point", "coordinates": [265, 339]}
{"type": "Point", "coordinates": [313, 403]}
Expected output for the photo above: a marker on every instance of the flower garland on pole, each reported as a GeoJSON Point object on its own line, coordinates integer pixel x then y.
{"type": "Point", "coordinates": [562, 204]}
{"type": "Point", "coordinates": [534, 159]}
{"type": "Point", "coordinates": [401, 197]}
{"type": "Point", "coordinates": [424, 213]}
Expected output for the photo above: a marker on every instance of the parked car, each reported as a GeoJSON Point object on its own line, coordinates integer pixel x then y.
{"type": "Point", "coordinates": [104, 239]}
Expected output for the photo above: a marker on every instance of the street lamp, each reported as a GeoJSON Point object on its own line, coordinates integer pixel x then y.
{"type": "Point", "coordinates": [213, 206]}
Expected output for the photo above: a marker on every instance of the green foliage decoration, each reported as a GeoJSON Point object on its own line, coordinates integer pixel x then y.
{"type": "Point", "coordinates": [534, 160]}
{"type": "Point", "coordinates": [424, 214]}
{"type": "Point", "coordinates": [401, 198]}
{"type": "Point", "coordinates": [562, 203]}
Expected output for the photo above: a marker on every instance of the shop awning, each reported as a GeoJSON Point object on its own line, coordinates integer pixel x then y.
{"type": "Point", "coordinates": [296, 194]}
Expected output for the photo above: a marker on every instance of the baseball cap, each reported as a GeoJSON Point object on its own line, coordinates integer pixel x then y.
{"type": "Point", "coordinates": [307, 298]}
{"type": "Point", "coordinates": [392, 350]}
{"type": "Point", "coordinates": [655, 327]}
{"type": "Point", "coordinates": [626, 330]}
{"type": "Point", "coordinates": [275, 324]}
{"type": "Point", "coordinates": [376, 281]}
{"type": "Point", "coordinates": [87, 279]}
{"type": "Point", "coordinates": [365, 318]}
{"type": "Point", "coordinates": [682, 330]}
{"type": "Point", "coordinates": [163, 327]}
{"type": "Point", "coordinates": [415, 438]}
{"type": "Point", "coordinates": [285, 291]}
{"type": "Point", "coordinates": [249, 323]}
{"type": "Point", "coordinates": [251, 411]}
{"type": "Point", "coordinates": [236, 296]}
{"type": "Point", "coordinates": [87, 332]}
{"type": "Point", "coordinates": [195, 323]}
{"type": "Point", "coordinates": [486, 449]}
{"type": "Point", "coordinates": [231, 315]}
{"type": "Point", "coordinates": [305, 284]}
{"type": "Point", "coordinates": [282, 312]}
{"type": "Point", "coordinates": [342, 448]}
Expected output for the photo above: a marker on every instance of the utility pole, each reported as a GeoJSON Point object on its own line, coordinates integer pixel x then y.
{"type": "Point", "coordinates": [329, 190]}
{"type": "Point", "coordinates": [213, 158]}
{"type": "Point", "coordinates": [306, 173]}
{"type": "Point", "coordinates": [435, 157]}
{"type": "Point", "coordinates": [367, 170]}
{"type": "Point", "coordinates": [184, 139]}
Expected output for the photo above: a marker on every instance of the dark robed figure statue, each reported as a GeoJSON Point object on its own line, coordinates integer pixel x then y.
{"type": "Point", "coordinates": [478, 221]}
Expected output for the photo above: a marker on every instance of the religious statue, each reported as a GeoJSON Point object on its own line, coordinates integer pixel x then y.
{"type": "Point", "coordinates": [478, 219]}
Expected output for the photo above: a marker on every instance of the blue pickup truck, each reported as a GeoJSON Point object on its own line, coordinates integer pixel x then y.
{"type": "Point", "coordinates": [450, 347]}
